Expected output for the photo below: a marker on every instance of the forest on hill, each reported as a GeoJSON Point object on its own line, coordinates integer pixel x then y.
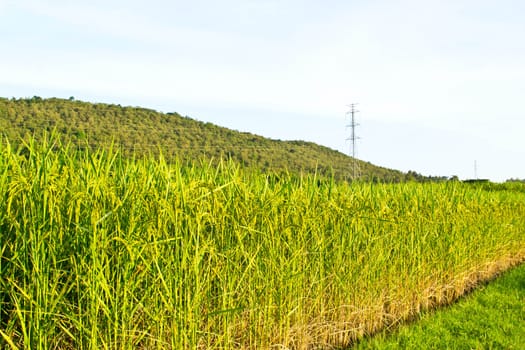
{"type": "Point", "coordinates": [141, 131]}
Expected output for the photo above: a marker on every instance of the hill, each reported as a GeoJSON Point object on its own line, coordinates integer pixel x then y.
{"type": "Point", "coordinates": [143, 131]}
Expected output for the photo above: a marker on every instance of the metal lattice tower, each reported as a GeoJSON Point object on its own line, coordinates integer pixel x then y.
{"type": "Point", "coordinates": [353, 139]}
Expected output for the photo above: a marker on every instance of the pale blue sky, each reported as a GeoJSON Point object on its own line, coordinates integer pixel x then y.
{"type": "Point", "coordinates": [439, 84]}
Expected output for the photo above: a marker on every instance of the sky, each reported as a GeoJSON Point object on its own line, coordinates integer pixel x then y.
{"type": "Point", "coordinates": [439, 85]}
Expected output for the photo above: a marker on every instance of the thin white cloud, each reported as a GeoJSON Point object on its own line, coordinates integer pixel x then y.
{"type": "Point", "coordinates": [115, 20]}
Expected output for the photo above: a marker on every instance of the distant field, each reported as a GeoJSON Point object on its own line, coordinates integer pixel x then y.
{"type": "Point", "coordinates": [99, 251]}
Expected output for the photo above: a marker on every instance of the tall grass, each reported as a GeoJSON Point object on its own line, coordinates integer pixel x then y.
{"type": "Point", "coordinates": [104, 252]}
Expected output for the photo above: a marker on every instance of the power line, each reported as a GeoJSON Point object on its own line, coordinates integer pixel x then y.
{"type": "Point", "coordinates": [87, 140]}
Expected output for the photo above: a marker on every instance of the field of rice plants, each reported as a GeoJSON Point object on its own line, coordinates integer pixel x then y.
{"type": "Point", "coordinates": [99, 251]}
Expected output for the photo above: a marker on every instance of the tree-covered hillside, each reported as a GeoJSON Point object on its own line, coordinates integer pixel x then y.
{"type": "Point", "coordinates": [142, 131]}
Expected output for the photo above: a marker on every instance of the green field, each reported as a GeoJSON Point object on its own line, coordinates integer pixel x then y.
{"type": "Point", "coordinates": [101, 251]}
{"type": "Point", "coordinates": [493, 317]}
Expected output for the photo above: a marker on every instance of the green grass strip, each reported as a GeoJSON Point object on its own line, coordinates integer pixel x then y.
{"type": "Point", "coordinates": [492, 317]}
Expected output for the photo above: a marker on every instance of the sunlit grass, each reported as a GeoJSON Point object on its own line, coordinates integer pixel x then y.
{"type": "Point", "coordinates": [493, 317]}
{"type": "Point", "coordinates": [104, 252]}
